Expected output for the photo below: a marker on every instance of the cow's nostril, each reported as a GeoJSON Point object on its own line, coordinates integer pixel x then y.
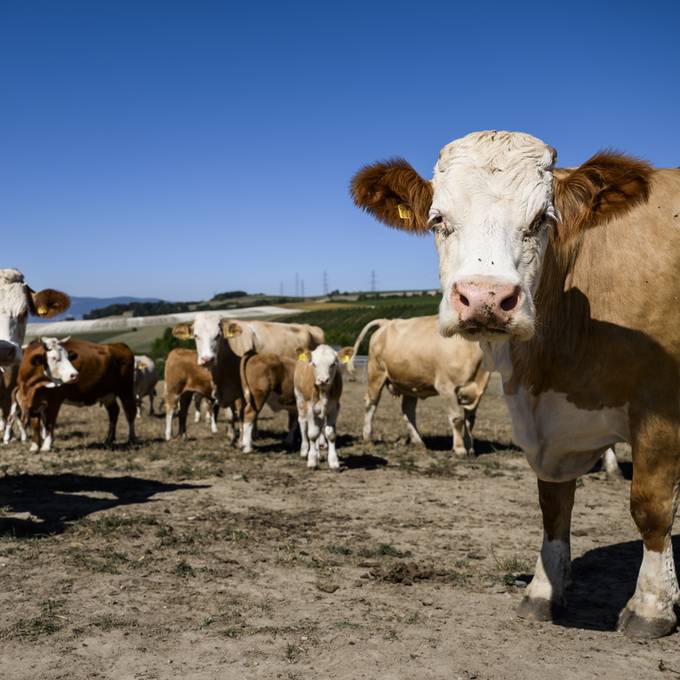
{"type": "Point", "coordinates": [463, 300]}
{"type": "Point", "coordinates": [510, 302]}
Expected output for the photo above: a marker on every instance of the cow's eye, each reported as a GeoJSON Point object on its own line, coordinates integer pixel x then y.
{"type": "Point", "coordinates": [438, 225]}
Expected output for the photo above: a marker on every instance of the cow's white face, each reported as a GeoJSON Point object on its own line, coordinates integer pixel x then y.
{"type": "Point", "coordinates": [325, 363]}
{"type": "Point", "coordinates": [491, 209]}
{"type": "Point", "coordinates": [14, 309]}
{"type": "Point", "coordinates": [207, 331]}
{"type": "Point", "coordinates": [58, 366]}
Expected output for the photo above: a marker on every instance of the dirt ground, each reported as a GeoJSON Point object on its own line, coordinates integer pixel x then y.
{"type": "Point", "coordinates": [191, 560]}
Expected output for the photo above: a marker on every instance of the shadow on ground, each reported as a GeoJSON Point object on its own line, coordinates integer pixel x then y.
{"type": "Point", "coordinates": [54, 501]}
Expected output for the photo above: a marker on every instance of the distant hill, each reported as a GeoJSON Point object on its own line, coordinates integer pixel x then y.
{"type": "Point", "coordinates": [82, 305]}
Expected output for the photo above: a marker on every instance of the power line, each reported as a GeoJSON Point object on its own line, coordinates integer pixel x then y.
{"type": "Point", "coordinates": [325, 282]}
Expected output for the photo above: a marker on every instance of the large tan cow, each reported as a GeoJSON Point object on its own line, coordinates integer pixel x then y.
{"type": "Point", "coordinates": [279, 338]}
{"type": "Point", "coordinates": [570, 280]}
{"type": "Point", "coordinates": [78, 372]}
{"type": "Point", "coordinates": [185, 379]}
{"type": "Point", "coordinates": [413, 360]}
{"type": "Point", "coordinates": [17, 301]}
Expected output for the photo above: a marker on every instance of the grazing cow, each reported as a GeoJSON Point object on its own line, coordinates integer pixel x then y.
{"type": "Point", "coordinates": [267, 379]}
{"type": "Point", "coordinates": [416, 362]}
{"type": "Point", "coordinates": [80, 373]}
{"type": "Point", "coordinates": [184, 378]}
{"type": "Point", "coordinates": [570, 280]}
{"type": "Point", "coordinates": [213, 336]}
{"type": "Point", "coordinates": [146, 378]}
{"type": "Point", "coordinates": [318, 388]}
{"type": "Point", "coordinates": [17, 301]}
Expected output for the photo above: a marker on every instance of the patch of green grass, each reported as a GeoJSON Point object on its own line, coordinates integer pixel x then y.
{"type": "Point", "coordinates": [107, 525]}
{"type": "Point", "coordinates": [107, 622]}
{"type": "Point", "coordinates": [109, 561]}
{"type": "Point", "coordinates": [293, 653]}
{"type": "Point", "coordinates": [339, 550]}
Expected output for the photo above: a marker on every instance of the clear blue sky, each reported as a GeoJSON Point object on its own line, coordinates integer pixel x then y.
{"type": "Point", "coordinates": [177, 149]}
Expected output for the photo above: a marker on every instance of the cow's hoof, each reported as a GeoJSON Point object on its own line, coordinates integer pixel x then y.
{"type": "Point", "coordinates": [539, 609]}
{"type": "Point", "coordinates": [463, 453]}
{"type": "Point", "coordinates": [246, 450]}
{"type": "Point", "coordinates": [615, 475]}
{"type": "Point", "coordinates": [636, 626]}
{"type": "Point", "coordinates": [34, 448]}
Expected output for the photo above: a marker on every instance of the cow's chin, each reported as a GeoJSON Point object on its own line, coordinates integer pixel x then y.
{"type": "Point", "coordinates": [520, 327]}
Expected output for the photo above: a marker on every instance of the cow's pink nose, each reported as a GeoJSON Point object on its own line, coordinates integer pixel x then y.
{"type": "Point", "coordinates": [205, 361]}
{"type": "Point", "coordinates": [485, 301]}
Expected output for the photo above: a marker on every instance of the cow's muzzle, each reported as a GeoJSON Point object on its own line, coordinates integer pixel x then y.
{"type": "Point", "coordinates": [485, 305]}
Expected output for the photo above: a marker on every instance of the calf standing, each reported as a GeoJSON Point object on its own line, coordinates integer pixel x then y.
{"type": "Point", "coordinates": [184, 378]}
{"type": "Point", "coordinates": [267, 379]}
{"type": "Point", "coordinates": [146, 378]}
{"type": "Point", "coordinates": [318, 388]}
{"type": "Point", "coordinates": [81, 373]}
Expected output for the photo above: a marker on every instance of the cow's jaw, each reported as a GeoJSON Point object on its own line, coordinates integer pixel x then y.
{"type": "Point", "coordinates": [491, 210]}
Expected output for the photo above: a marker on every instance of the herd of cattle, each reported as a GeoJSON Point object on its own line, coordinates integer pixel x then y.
{"type": "Point", "coordinates": [565, 281]}
{"type": "Point", "coordinates": [239, 367]}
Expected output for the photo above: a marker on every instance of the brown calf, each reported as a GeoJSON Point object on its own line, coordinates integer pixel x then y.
{"type": "Point", "coordinates": [184, 379]}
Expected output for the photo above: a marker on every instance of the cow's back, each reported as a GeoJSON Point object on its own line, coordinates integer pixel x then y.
{"type": "Point", "coordinates": [416, 357]}
{"type": "Point", "coordinates": [283, 339]}
{"type": "Point", "coordinates": [182, 372]}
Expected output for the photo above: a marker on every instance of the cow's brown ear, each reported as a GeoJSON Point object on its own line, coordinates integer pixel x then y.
{"type": "Point", "coordinates": [183, 331]}
{"type": "Point", "coordinates": [394, 193]}
{"type": "Point", "coordinates": [230, 329]}
{"type": "Point", "coordinates": [38, 359]}
{"type": "Point", "coordinates": [303, 354]}
{"type": "Point", "coordinates": [606, 186]}
{"type": "Point", "coordinates": [48, 302]}
{"type": "Point", "coordinates": [345, 354]}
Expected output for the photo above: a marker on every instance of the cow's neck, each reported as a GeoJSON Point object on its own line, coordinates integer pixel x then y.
{"type": "Point", "coordinates": [223, 371]}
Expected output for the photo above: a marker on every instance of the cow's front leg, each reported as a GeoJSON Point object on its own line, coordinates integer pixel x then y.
{"type": "Point", "coordinates": [653, 499]}
{"type": "Point", "coordinates": [329, 430]}
{"type": "Point", "coordinates": [314, 425]}
{"type": "Point", "coordinates": [545, 594]}
{"type": "Point", "coordinates": [230, 418]}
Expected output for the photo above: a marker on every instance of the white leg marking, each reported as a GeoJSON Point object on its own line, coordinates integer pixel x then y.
{"type": "Point", "coordinates": [168, 426]}
{"type": "Point", "coordinates": [551, 576]}
{"type": "Point", "coordinates": [247, 437]}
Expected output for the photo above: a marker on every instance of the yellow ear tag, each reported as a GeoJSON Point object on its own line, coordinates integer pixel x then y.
{"type": "Point", "coordinates": [42, 311]}
{"type": "Point", "coordinates": [346, 358]}
{"type": "Point", "coordinates": [404, 212]}
{"type": "Point", "coordinates": [302, 357]}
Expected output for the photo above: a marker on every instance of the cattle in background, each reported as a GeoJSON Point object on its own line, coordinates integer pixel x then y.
{"type": "Point", "coordinates": [17, 301]}
{"type": "Point", "coordinates": [318, 388]}
{"type": "Point", "coordinates": [146, 378]}
{"type": "Point", "coordinates": [411, 359]}
{"type": "Point", "coordinates": [271, 336]}
{"type": "Point", "coordinates": [80, 373]}
{"type": "Point", "coordinates": [213, 336]}
{"type": "Point", "coordinates": [185, 379]}
{"type": "Point", "coordinates": [570, 280]}
{"type": "Point", "coordinates": [267, 379]}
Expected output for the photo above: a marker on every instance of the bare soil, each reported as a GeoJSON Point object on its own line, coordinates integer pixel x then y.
{"type": "Point", "coordinates": [192, 560]}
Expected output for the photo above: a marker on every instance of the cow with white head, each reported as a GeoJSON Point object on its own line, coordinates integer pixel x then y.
{"type": "Point", "coordinates": [569, 279]}
{"type": "Point", "coordinates": [17, 301]}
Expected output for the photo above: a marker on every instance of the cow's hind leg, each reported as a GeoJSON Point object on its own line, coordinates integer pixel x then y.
{"type": "Point", "coordinates": [545, 594]}
{"type": "Point", "coordinates": [130, 409]}
{"type": "Point", "coordinates": [113, 410]}
{"type": "Point", "coordinates": [170, 406]}
{"type": "Point", "coordinates": [408, 411]}
{"type": "Point", "coordinates": [650, 613]}
{"type": "Point", "coordinates": [376, 381]}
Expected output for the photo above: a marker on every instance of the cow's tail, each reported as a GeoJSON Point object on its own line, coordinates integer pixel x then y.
{"type": "Point", "coordinates": [371, 324]}
{"type": "Point", "coordinates": [244, 380]}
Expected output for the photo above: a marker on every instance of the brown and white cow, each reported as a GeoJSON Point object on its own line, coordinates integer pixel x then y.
{"type": "Point", "coordinates": [185, 379]}
{"type": "Point", "coordinates": [80, 373]}
{"type": "Point", "coordinates": [318, 388]}
{"type": "Point", "coordinates": [146, 378]}
{"type": "Point", "coordinates": [413, 360]}
{"type": "Point", "coordinates": [17, 301]}
{"type": "Point", "coordinates": [267, 379]}
{"type": "Point", "coordinates": [570, 281]}
{"type": "Point", "coordinates": [214, 336]}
